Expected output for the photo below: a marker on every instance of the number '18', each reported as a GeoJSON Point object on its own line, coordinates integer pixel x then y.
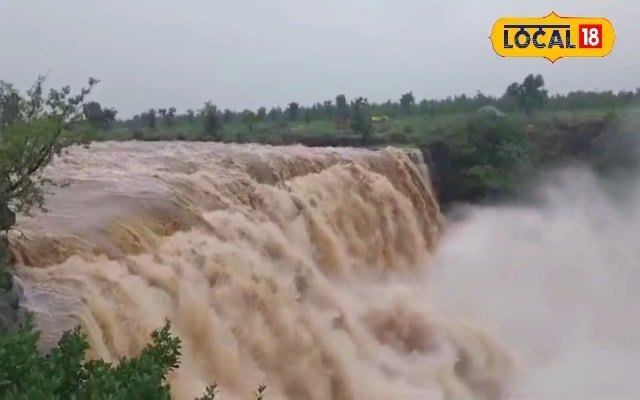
{"type": "Point", "coordinates": [591, 36]}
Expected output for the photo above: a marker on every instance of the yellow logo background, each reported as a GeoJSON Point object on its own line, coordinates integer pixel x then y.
{"type": "Point", "coordinates": [580, 31]}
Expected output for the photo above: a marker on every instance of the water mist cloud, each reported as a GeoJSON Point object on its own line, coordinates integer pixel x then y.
{"type": "Point", "coordinates": [557, 282]}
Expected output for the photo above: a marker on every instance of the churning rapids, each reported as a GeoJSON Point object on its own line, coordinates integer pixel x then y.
{"type": "Point", "coordinates": [329, 274]}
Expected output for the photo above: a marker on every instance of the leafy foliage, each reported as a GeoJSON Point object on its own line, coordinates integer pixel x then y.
{"type": "Point", "coordinates": [212, 123]}
{"type": "Point", "coordinates": [292, 110]}
{"type": "Point", "coordinates": [360, 120]}
{"type": "Point", "coordinates": [484, 157]}
{"type": "Point", "coordinates": [227, 116]}
{"type": "Point", "coordinates": [261, 114]}
{"type": "Point", "coordinates": [31, 129]}
{"type": "Point", "coordinates": [150, 116]}
{"type": "Point", "coordinates": [170, 116]}
{"type": "Point", "coordinates": [30, 136]}
{"type": "Point", "coordinates": [191, 117]}
{"type": "Point", "coordinates": [98, 116]}
{"type": "Point", "coordinates": [525, 96]}
{"type": "Point", "coordinates": [407, 102]}
{"type": "Point", "coordinates": [64, 373]}
{"type": "Point", "coordinates": [529, 94]}
{"type": "Point", "coordinates": [274, 114]}
{"type": "Point", "coordinates": [342, 108]}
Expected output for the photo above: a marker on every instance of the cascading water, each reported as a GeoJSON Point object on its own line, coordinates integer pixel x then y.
{"type": "Point", "coordinates": [322, 272]}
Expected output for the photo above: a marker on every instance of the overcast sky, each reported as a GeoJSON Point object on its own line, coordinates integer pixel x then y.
{"type": "Point", "coordinates": [249, 53]}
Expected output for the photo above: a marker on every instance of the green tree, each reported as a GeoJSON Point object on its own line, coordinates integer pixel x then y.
{"type": "Point", "coordinates": [30, 136]}
{"type": "Point", "coordinates": [92, 112]}
{"type": "Point", "coordinates": [248, 117]}
{"type": "Point", "coordinates": [163, 113]}
{"type": "Point", "coordinates": [261, 115]}
{"type": "Point", "coordinates": [9, 104]}
{"type": "Point", "coordinates": [407, 102]}
{"type": "Point", "coordinates": [274, 113]}
{"type": "Point", "coordinates": [327, 107]}
{"type": "Point", "coordinates": [292, 110]}
{"type": "Point", "coordinates": [530, 94]}
{"type": "Point", "coordinates": [102, 118]}
{"type": "Point", "coordinates": [65, 373]}
{"type": "Point", "coordinates": [483, 158]}
{"type": "Point", "coordinates": [342, 108]}
{"type": "Point", "coordinates": [170, 116]}
{"type": "Point", "coordinates": [227, 116]}
{"type": "Point", "coordinates": [151, 118]}
{"type": "Point", "coordinates": [212, 125]}
{"type": "Point", "coordinates": [360, 119]}
{"type": "Point", "coordinates": [191, 117]}
{"type": "Point", "coordinates": [108, 117]}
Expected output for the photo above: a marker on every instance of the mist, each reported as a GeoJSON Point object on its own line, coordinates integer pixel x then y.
{"type": "Point", "coordinates": [556, 281]}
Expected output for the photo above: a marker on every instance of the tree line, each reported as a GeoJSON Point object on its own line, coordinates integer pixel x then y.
{"type": "Point", "coordinates": [525, 96]}
{"type": "Point", "coordinates": [355, 115]}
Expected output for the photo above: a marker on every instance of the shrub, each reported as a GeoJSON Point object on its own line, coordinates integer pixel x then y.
{"type": "Point", "coordinates": [138, 134]}
{"type": "Point", "coordinates": [399, 137]}
{"type": "Point", "coordinates": [484, 157]}
{"type": "Point", "coordinates": [64, 373]}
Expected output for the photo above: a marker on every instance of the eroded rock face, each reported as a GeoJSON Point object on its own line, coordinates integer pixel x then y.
{"type": "Point", "coordinates": [7, 217]}
{"type": "Point", "coordinates": [10, 298]}
{"type": "Point", "coordinates": [10, 290]}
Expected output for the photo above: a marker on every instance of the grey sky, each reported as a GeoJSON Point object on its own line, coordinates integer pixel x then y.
{"type": "Point", "coordinates": [249, 53]}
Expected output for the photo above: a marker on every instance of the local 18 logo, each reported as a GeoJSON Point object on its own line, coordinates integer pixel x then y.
{"type": "Point", "coordinates": [553, 37]}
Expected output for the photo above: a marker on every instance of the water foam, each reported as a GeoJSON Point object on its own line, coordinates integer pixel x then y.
{"type": "Point", "coordinates": [306, 269]}
{"type": "Point", "coordinates": [557, 282]}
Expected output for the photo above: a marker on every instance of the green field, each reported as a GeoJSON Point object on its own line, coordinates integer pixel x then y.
{"type": "Point", "coordinates": [406, 129]}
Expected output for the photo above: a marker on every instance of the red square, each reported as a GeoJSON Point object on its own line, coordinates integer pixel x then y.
{"type": "Point", "coordinates": [590, 36]}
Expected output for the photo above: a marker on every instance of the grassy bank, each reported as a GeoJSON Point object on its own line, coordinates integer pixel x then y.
{"type": "Point", "coordinates": [405, 129]}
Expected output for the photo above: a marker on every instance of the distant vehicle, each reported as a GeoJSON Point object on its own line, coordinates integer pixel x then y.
{"type": "Point", "coordinates": [492, 111]}
{"type": "Point", "coordinates": [379, 118]}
